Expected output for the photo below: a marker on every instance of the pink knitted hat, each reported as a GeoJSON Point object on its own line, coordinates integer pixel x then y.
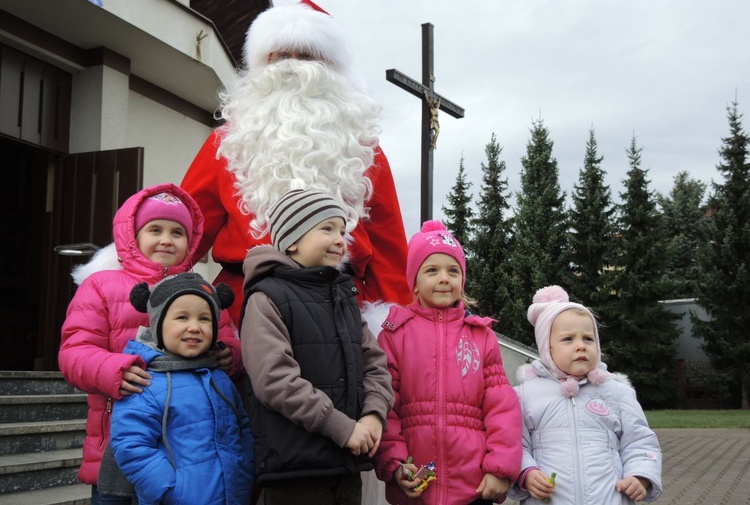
{"type": "Point", "coordinates": [164, 206]}
{"type": "Point", "coordinates": [548, 303]}
{"type": "Point", "coordinates": [432, 238]}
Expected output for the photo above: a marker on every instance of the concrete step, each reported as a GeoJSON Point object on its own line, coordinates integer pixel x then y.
{"type": "Point", "coordinates": [31, 408]}
{"type": "Point", "coordinates": [33, 383]}
{"type": "Point", "coordinates": [39, 470]}
{"type": "Point", "coordinates": [42, 428]}
{"type": "Point", "coordinates": [18, 438]}
{"type": "Point", "coordinates": [77, 494]}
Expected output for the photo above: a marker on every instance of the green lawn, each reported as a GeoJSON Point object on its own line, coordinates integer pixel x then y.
{"type": "Point", "coordinates": [698, 418]}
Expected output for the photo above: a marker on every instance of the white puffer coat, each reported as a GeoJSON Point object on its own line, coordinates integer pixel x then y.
{"type": "Point", "coordinates": [590, 440]}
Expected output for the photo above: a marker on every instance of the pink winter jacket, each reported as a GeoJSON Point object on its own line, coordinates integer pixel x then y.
{"type": "Point", "coordinates": [100, 320]}
{"type": "Point", "coordinates": [454, 405]}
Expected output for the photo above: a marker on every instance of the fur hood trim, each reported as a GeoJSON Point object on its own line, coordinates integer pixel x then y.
{"type": "Point", "coordinates": [104, 259]}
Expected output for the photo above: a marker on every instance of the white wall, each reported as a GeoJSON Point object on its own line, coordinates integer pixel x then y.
{"type": "Point", "coordinates": [171, 140]}
{"type": "Point", "coordinates": [99, 110]}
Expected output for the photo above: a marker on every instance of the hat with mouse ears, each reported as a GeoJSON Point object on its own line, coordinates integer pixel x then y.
{"type": "Point", "coordinates": [156, 300]}
{"type": "Point", "coordinates": [548, 303]}
{"type": "Point", "coordinates": [300, 27]}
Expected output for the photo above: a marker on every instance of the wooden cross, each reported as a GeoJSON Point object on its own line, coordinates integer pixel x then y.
{"type": "Point", "coordinates": [431, 103]}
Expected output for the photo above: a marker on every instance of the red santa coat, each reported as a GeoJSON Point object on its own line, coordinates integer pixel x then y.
{"type": "Point", "coordinates": [377, 258]}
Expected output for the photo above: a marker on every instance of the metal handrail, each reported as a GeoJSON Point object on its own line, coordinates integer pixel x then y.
{"type": "Point", "coordinates": [514, 346]}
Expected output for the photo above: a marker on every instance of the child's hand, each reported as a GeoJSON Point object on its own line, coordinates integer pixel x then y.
{"type": "Point", "coordinates": [361, 441]}
{"type": "Point", "coordinates": [634, 487]}
{"type": "Point", "coordinates": [224, 359]}
{"type": "Point", "coordinates": [538, 485]}
{"type": "Point", "coordinates": [406, 485]}
{"type": "Point", "coordinates": [131, 378]}
{"type": "Point", "coordinates": [492, 488]}
{"type": "Point", "coordinates": [376, 430]}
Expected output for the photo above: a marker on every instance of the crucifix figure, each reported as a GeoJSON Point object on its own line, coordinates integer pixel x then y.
{"type": "Point", "coordinates": [431, 104]}
{"type": "Point", "coordinates": [434, 122]}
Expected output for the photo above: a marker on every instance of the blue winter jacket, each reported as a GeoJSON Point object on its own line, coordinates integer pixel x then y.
{"type": "Point", "coordinates": [206, 456]}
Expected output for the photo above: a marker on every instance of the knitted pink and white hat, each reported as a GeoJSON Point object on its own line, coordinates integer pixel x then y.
{"type": "Point", "coordinates": [433, 238]}
{"type": "Point", "coordinates": [548, 303]}
{"type": "Point", "coordinates": [303, 26]}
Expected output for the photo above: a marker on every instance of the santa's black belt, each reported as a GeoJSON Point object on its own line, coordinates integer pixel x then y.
{"type": "Point", "coordinates": [232, 268]}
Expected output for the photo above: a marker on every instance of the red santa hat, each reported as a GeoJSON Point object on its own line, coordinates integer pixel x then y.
{"type": "Point", "coordinates": [303, 26]}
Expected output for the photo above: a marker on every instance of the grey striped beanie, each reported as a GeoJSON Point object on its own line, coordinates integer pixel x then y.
{"type": "Point", "coordinates": [297, 212]}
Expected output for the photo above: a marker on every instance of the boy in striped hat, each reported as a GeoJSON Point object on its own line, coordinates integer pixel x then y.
{"type": "Point", "coordinates": [320, 389]}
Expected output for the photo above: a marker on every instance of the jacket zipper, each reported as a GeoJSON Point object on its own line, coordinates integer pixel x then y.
{"type": "Point", "coordinates": [441, 403]}
{"type": "Point", "coordinates": [577, 452]}
{"type": "Point", "coordinates": [105, 423]}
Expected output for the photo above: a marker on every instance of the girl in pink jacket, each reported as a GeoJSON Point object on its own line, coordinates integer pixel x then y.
{"type": "Point", "coordinates": [156, 232]}
{"type": "Point", "coordinates": [455, 414]}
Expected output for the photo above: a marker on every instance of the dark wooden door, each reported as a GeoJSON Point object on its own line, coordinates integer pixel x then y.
{"type": "Point", "coordinates": [88, 189]}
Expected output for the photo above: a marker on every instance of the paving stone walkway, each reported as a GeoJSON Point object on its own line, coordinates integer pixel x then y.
{"type": "Point", "coordinates": [705, 467]}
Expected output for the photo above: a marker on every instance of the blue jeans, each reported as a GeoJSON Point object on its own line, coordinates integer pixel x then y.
{"type": "Point", "coordinates": [108, 499]}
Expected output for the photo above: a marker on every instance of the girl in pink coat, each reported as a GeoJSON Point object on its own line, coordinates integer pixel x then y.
{"type": "Point", "coordinates": [156, 232]}
{"type": "Point", "coordinates": [455, 414]}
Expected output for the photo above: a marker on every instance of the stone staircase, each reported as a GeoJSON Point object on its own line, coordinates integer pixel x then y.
{"type": "Point", "coordinates": [42, 427]}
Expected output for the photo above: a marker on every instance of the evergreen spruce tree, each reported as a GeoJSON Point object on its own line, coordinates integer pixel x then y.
{"type": "Point", "coordinates": [685, 231]}
{"type": "Point", "coordinates": [591, 230]}
{"type": "Point", "coordinates": [488, 281]}
{"type": "Point", "coordinates": [725, 260]}
{"type": "Point", "coordinates": [459, 214]}
{"type": "Point", "coordinates": [540, 254]}
{"type": "Point", "coordinates": [638, 334]}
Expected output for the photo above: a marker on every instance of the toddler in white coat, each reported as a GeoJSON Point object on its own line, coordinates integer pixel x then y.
{"type": "Point", "coordinates": [585, 437]}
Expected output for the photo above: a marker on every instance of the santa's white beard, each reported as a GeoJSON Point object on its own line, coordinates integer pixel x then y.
{"type": "Point", "coordinates": [298, 125]}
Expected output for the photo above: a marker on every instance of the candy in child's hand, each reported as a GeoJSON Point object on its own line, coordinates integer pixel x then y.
{"type": "Point", "coordinates": [422, 485]}
{"type": "Point", "coordinates": [426, 474]}
{"type": "Point", "coordinates": [551, 480]}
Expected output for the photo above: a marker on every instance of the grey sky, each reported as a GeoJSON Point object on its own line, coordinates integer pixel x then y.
{"type": "Point", "coordinates": [662, 70]}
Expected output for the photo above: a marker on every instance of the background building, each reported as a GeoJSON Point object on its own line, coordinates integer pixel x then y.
{"type": "Point", "coordinates": [98, 98]}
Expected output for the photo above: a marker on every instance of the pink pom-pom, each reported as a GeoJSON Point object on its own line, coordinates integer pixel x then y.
{"type": "Point", "coordinates": [551, 294]}
{"type": "Point", "coordinates": [569, 387]}
{"type": "Point", "coordinates": [597, 376]}
{"type": "Point", "coordinates": [433, 225]}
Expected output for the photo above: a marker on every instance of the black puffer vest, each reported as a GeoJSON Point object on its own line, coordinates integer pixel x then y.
{"type": "Point", "coordinates": [320, 310]}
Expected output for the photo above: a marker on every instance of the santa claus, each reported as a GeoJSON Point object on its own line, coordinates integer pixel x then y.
{"type": "Point", "coordinates": [297, 118]}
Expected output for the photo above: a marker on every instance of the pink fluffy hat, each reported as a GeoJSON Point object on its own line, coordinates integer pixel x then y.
{"type": "Point", "coordinates": [547, 304]}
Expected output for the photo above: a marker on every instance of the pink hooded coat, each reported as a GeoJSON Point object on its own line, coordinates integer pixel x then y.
{"type": "Point", "coordinates": [100, 320]}
{"type": "Point", "coordinates": [454, 404]}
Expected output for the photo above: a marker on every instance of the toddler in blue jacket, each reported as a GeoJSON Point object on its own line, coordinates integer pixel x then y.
{"type": "Point", "coordinates": [186, 438]}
